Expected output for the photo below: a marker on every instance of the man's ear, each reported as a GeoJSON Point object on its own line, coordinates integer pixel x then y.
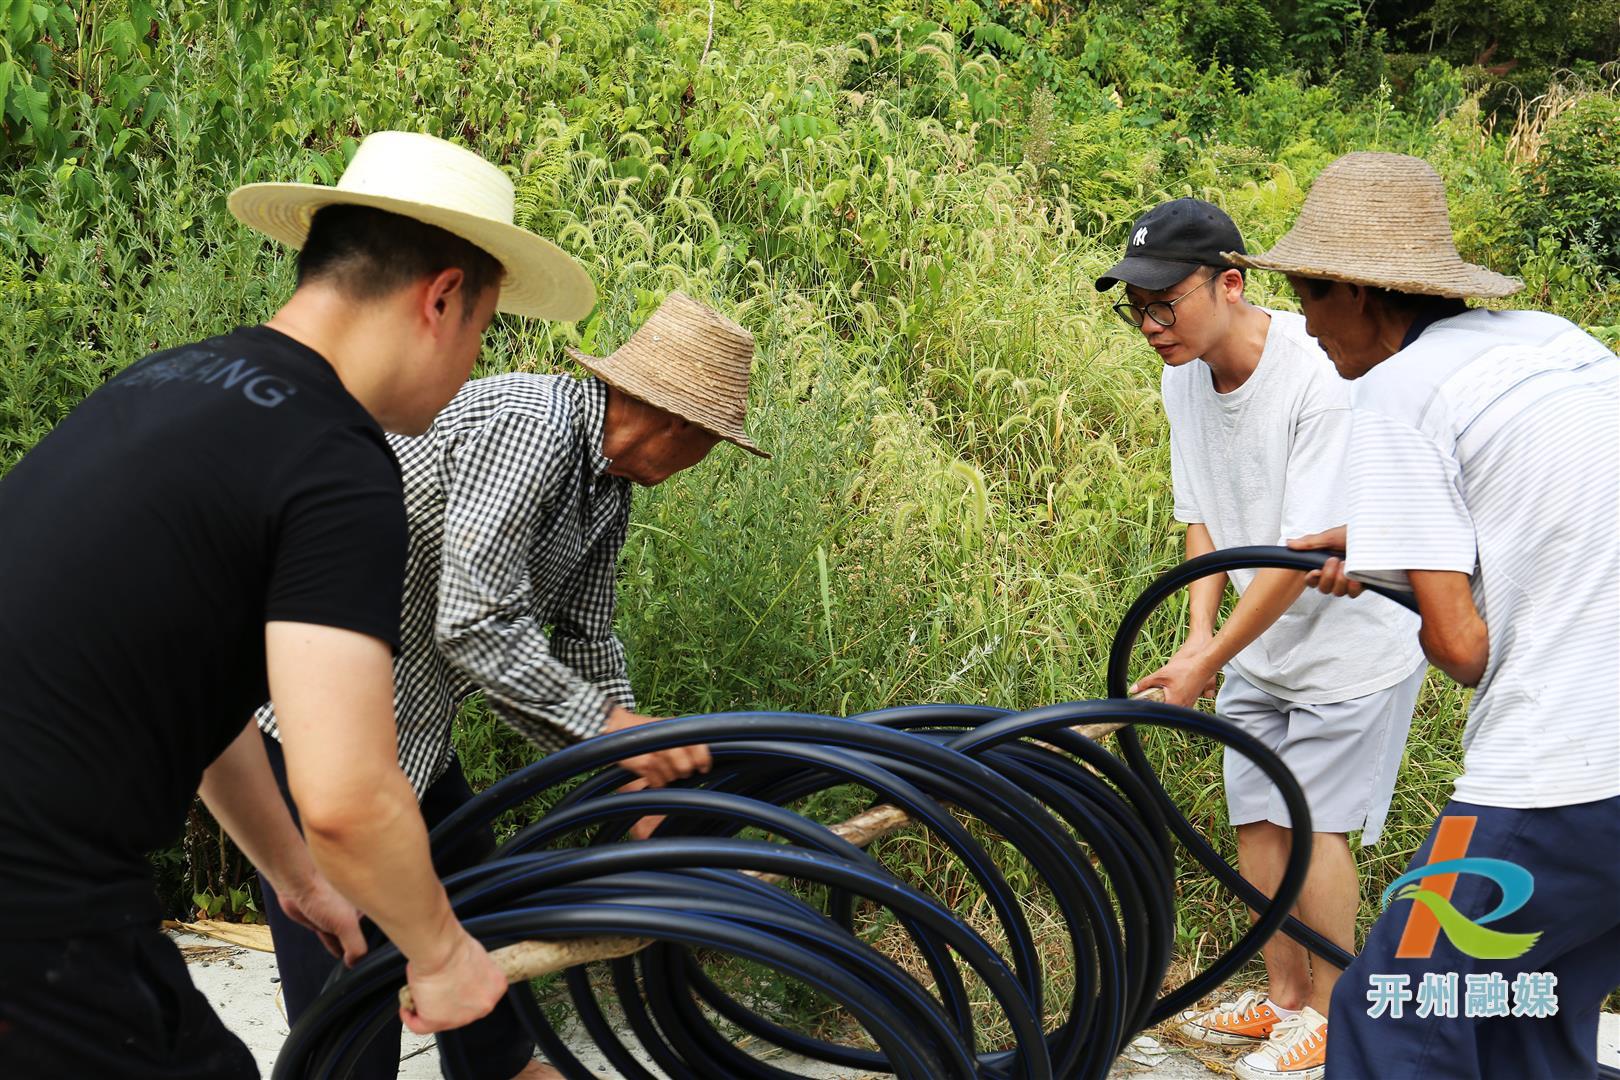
{"type": "Point", "coordinates": [443, 297]}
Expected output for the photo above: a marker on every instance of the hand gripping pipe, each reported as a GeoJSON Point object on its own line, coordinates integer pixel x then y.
{"type": "Point", "coordinates": [1095, 830]}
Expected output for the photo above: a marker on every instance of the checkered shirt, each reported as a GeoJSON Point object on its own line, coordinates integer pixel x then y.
{"type": "Point", "coordinates": [515, 531]}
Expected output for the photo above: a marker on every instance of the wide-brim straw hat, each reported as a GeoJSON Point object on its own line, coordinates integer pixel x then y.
{"type": "Point", "coordinates": [441, 184]}
{"type": "Point", "coordinates": [1379, 219]}
{"type": "Point", "coordinates": [689, 360]}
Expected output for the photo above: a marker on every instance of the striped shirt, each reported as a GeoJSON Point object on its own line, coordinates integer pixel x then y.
{"type": "Point", "coordinates": [1491, 446]}
{"type": "Point", "coordinates": [515, 532]}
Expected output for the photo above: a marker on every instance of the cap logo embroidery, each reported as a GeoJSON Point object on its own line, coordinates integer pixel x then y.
{"type": "Point", "coordinates": [1140, 238]}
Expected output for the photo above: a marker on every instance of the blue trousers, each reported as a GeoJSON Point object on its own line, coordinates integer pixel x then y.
{"type": "Point", "coordinates": [1573, 853]}
{"type": "Point", "coordinates": [494, 1048]}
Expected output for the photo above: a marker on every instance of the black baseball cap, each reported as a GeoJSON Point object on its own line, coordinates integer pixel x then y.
{"type": "Point", "coordinates": [1172, 240]}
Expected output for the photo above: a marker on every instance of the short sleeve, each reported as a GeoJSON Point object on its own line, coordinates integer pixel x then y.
{"type": "Point", "coordinates": [1185, 506]}
{"type": "Point", "coordinates": [340, 539]}
{"type": "Point", "coordinates": [1185, 503]}
{"type": "Point", "coordinates": [1405, 506]}
{"type": "Point", "coordinates": [1315, 474]}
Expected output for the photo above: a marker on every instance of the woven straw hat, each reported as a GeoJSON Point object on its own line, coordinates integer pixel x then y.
{"type": "Point", "coordinates": [689, 360]}
{"type": "Point", "coordinates": [439, 183]}
{"type": "Point", "coordinates": [1380, 220]}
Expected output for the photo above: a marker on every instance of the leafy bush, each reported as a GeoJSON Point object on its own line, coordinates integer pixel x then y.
{"type": "Point", "coordinates": [1317, 32]}
{"type": "Point", "coordinates": [1571, 187]}
{"type": "Point", "coordinates": [1522, 43]}
{"type": "Point", "coordinates": [30, 86]}
{"type": "Point", "coordinates": [1242, 34]}
{"type": "Point", "coordinates": [1435, 89]}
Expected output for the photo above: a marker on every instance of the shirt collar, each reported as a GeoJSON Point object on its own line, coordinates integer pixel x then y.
{"type": "Point", "coordinates": [1428, 319]}
{"type": "Point", "coordinates": [593, 415]}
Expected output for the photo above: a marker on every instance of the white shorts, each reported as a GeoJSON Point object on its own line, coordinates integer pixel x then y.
{"type": "Point", "coordinates": [1344, 754]}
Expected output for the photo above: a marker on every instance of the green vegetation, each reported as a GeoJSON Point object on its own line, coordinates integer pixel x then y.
{"type": "Point", "coordinates": [907, 203]}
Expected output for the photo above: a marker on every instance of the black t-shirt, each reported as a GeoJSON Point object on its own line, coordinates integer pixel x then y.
{"type": "Point", "coordinates": [144, 544]}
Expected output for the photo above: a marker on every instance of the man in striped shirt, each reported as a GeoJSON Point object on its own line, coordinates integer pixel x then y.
{"type": "Point", "coordinates": [518, 503]}
{"type": "Point", "coordinates": [1482, 475]}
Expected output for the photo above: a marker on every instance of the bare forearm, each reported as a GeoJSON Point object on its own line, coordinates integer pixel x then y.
{"type": "Point", "coordinates": [1465, 665]}
{"type": "Point", "coordinates": [240, 791]}
{"type": "Point", "coordinates": [1453, 635]}
{"type": "Point", "coordinates": [334, 692]}
{"type": "Point", "coordinates": [1190, 673]}
{"type": "Point", "coordinates": [374, 849]}
{"type": "Point", "coordinates": [1204, 595]}
{"type": "Point", "coordinates": [1270, 594]}
{"type": "Point", "coordinates": [334, 695]}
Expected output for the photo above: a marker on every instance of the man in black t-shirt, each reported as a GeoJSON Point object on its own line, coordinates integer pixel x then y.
{"type": "Point", "coordinates": [219, 524]}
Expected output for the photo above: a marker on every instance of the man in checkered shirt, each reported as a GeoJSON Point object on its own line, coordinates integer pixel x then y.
{"type": "Point", "coordinates": [518, 501]}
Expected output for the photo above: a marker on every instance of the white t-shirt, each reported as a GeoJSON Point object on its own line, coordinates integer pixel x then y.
{"type": "Point", "coordinates": [1261, 465]}
{"type": "Point", "coordinates": [1491, 446]}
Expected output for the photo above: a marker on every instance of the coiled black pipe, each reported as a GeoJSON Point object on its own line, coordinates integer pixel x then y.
{"type": "Point", "coordinates": [686, 890]}
{"type": "Point", "coordinates": [1094, 830]}
{"type": "Point", "coordinates": [1119, 663]}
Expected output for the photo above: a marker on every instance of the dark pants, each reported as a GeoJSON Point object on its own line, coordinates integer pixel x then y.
{"type": "Point", "coordinates": [119, 1004]}
{"type": "Point", "coordinates": [498, 1046]}
{"type": "Point", "coordinates": [1575, 905]}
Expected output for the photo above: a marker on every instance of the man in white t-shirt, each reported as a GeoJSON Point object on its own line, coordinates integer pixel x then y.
{"type": "Point", "coordinates": [1258, 423]}
{"type": "Point", "coordinates": [1483, 476]}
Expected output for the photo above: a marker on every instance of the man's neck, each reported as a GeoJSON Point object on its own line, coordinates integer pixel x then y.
{"type": "Point", "coordinates": [1235, 358]}
{"type": "Point", "coordinates": [344, 335]}
{"type": "Point", "coordinates": [1392, 330]}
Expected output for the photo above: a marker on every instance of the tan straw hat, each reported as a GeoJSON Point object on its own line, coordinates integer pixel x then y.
{"type": "Point", "coordinates": [689, 360]}
{"type": "Point", "coordinates": [439, 183]}
{"type": "Point", "coordinates": [1379, 219]}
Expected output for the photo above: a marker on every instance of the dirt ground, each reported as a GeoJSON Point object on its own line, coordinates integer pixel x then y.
{"type": "Point", "coordinates": [242, 986]}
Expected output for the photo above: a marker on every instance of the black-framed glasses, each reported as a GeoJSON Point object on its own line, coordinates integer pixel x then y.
{"type": "Point", "coordinates": [1162, 312]}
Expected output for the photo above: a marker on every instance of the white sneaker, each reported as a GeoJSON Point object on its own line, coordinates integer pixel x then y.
{"type": "Point", "coordinates": [1297, 1050]}
{"type": "Point", "coordinates": [1248, 1021]}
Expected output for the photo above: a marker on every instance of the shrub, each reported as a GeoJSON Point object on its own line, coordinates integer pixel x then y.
{"type": "Point", "coordinates": [1242, 34]}
{"type": "Point", "coordinates": [1570, 189]}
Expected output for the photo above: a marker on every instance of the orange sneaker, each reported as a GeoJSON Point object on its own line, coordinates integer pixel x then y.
{"type": "Point", "coordinates": [1297, 1050]}
{"type": "Point", "coordinates": [1247, 1021]}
